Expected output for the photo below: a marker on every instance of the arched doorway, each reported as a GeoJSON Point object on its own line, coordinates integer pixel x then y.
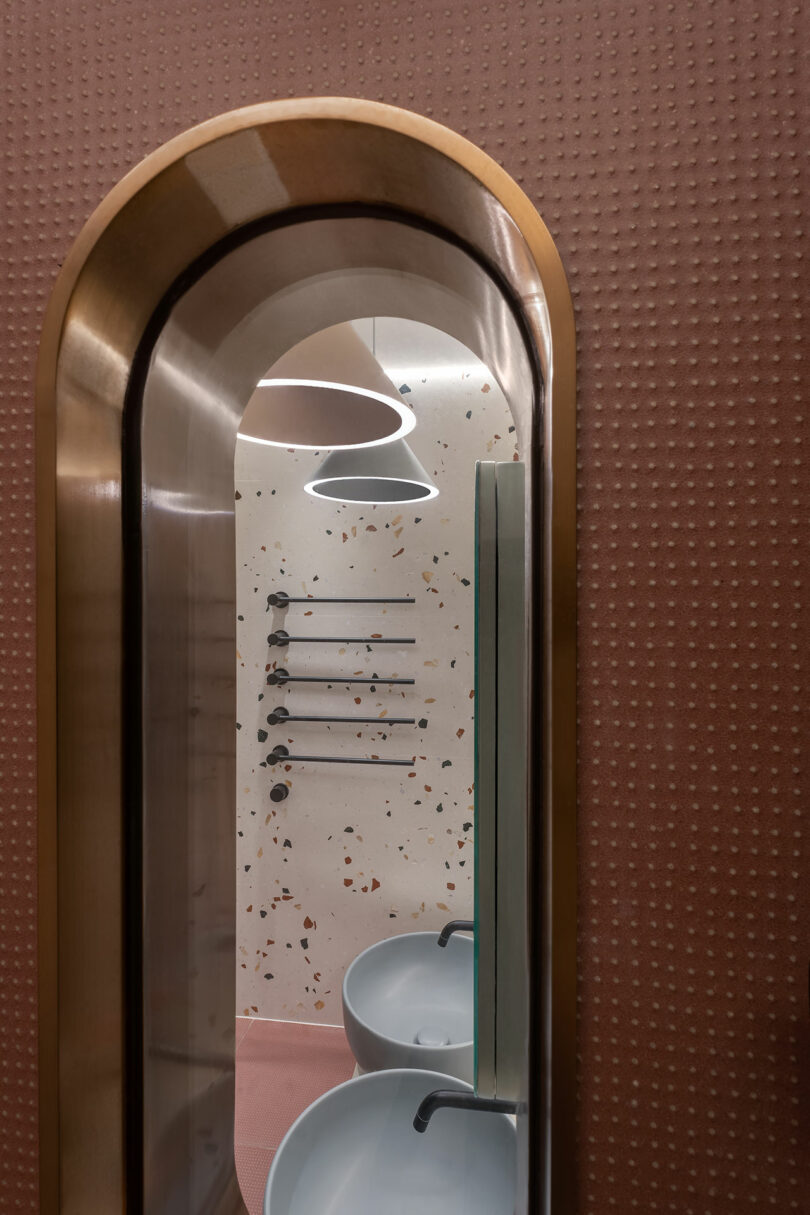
{"type": "Point", "coordinates": [223, 249]}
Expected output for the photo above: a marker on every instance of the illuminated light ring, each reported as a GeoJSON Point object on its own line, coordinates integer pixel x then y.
{"type": "Point", "coordinates": [406, 416]}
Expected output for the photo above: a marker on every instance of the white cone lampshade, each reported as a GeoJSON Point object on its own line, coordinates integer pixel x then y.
{"type": "Point", "coordinates": [379, 476]}
{"type": "Point", "coordinates": [326, 393]}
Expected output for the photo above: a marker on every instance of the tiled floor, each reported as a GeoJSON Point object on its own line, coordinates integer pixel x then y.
{"type": "Point", "coordinates": [281, 1068]}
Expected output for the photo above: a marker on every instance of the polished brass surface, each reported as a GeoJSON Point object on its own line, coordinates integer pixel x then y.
{"type": "Point", "coordinates": [169, 211]}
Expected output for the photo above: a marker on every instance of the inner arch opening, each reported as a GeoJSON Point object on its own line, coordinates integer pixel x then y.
{"type": "Point", "coordinates": [241, 315]}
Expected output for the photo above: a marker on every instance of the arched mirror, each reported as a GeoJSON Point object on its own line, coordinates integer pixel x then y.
{"type": "Point", "coordinates": [313, 686]}
{"type": "Point", "coordinates": [363, 734]}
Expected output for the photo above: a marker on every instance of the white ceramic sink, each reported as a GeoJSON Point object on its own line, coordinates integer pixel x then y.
{"type": "Point", "coordinates": [408, 1003]}
{"type": "Point", "coordinates": [354, 1152]}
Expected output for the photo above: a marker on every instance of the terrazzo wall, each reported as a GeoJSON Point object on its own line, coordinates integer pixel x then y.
{"type": "Point", "coordinates": [662, 144]}
{"type": "Point", "coordinates": [357, 853]}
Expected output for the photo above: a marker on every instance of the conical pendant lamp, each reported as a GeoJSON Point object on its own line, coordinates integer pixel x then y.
{"type": "Point", "coordinates": [326, 393]}
{"type": "Point", "coordinates": [380, 476]}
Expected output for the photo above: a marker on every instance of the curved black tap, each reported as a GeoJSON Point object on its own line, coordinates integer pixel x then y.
{"type": "Point", "coordinates": [454, 926]}
{"type": "Point", "coordinates": [453, 1098]}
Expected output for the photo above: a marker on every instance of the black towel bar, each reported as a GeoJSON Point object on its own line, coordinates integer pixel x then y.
{"type": "Point", "coordinates": [280, 677]}
{"type": "Point", "coordinates": [280, 715]}
{"type": "Point", "coordinates": [281, 599]}
{"type": "Point", "coordinates": [280, 755]}
{"type": "Point", "coordinates": [280, 637]}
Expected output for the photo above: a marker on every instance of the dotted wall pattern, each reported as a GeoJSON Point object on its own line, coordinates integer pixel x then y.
{"type": "Point", "coordinates": [662, 143]}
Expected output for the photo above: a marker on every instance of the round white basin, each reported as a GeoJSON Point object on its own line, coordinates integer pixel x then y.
{"type": "Point", "coordinates": [354, 1152]}
{"type": "Point", "coordinates": [408, 1003]}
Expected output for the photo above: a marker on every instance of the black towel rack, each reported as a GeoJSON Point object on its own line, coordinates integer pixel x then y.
{"type": "Point", "coordinates": [281, 599]}
{"type": "Point", "coordinates": [283, 638]}
{"type": "Point", "coordinates": [280, 755]}
{"type": "Point", "coordinates": [280, 677]}
{"type": "Point", "coordinates": [280, 715]}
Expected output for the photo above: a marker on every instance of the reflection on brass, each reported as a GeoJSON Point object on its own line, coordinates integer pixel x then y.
{"type": "Point", "coordinates": [171, 209]}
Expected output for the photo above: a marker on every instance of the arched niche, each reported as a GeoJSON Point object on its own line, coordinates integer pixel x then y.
{"type": "Point", "coordinates": [216, 254]}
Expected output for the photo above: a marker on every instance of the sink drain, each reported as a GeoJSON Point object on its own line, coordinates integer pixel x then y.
{"type": "Point", "coordinates": [430, 1035]}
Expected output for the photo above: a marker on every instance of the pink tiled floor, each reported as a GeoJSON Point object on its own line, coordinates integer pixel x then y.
{"type": "Point", "coordinates": [252, 1167]}
{"type": "Point", "coordinates": [281, 1068]}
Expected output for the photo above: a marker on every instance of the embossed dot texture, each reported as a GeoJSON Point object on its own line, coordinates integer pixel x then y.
{"type": "Point", "coordinates": [662, 143]}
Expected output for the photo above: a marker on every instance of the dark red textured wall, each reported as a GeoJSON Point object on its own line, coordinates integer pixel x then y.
{"type": "Point", "coordinates": [662, 144]}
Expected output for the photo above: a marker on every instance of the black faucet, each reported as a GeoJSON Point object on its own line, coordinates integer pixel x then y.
{"type": "Point", "coordinates": [454, 926]}
{"type": "Point", "coordinates": [455, 1099]}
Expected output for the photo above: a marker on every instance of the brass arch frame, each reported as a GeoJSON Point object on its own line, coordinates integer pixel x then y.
{"type": "Point", "coordinates": [172, 209]}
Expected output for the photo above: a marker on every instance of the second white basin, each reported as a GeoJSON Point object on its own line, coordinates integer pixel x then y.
{"type": "Point", "coordinates": [408, 1003]}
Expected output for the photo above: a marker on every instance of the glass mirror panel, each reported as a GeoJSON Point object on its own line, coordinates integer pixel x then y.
{"type": "Point", "coordinates": [313, 898]}
{"type": "Point", "coordinates": [356, 767]}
